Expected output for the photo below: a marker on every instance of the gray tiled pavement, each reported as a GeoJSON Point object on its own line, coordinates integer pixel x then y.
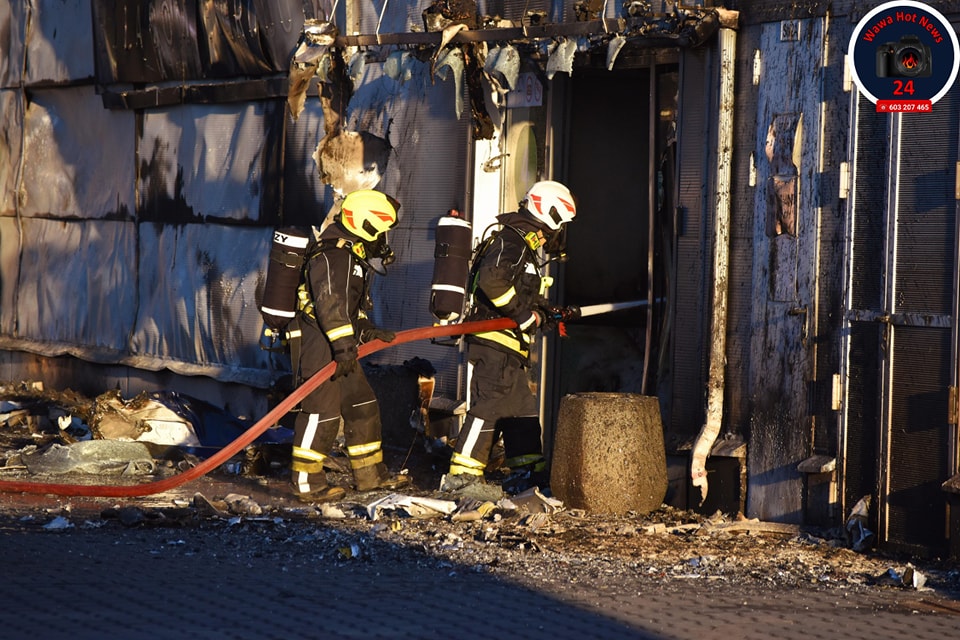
{"type": "Point", "coordinates": [173, 583]}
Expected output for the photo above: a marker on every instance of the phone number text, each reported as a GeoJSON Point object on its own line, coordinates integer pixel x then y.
{"type": "Point", "coordinates": [904, 106]}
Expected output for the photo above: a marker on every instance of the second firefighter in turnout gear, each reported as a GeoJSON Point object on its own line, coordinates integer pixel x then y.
{"type": "Point", "coordinates": [509, 282]}
{"type": "Point", "coordinates": [332, 319]}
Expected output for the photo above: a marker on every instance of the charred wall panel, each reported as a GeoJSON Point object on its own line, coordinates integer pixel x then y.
{"type": "Point", "coordinates": [903, 299]}
{"type": "Point", "coordinates": [77, 285]}
{"type": "Point", "coordinates": [79, 159]}
{"type": "Point", "coordinates": [201, 162]}
{"type": "Point", "coordinates": [860, 461]}
{"type": "Point", "coordinates": [197, 306]}
{"type": "Point", "coordinates": [916, 509]}
{"type": "Point", "coordinates": [9, 274]}
{"type": "Point", "coordinates": [869, 191]}
{"type": "Point", "coordinates": [11, 148]}
{"type": "Point", "coordinates": [52, 26]}
{"type": "Point", "coordinates": [926, 214]}
{"type": "Point", "coordinates": [306, 199]}
{"type": "Point", "coordinates": [922, 357]}
{"type": "Point", "coordinates": [184, 40]}
{"type": "Point", "coordinates": [740, 299]}
{"type": "Point", "coordinates": [12, 27]}
{"type": "Point", "coordinates": [140, 42]}
{"type": "Point", "coordinates": [694, 152]}
{"type": "Point", "coordinates": [785, 275]}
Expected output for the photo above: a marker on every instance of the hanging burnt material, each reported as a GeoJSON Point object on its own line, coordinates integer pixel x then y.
{"type": "Point", "coordinates": [442, 13]}
{"type": "Point", "coordinates": [474, 57]}
{"type": "Point", "coordinates": [314, 44]}
{"type": "Point", "coordinates": [451, 17]}
{"type": "Point", "coordinates": [346, 160]}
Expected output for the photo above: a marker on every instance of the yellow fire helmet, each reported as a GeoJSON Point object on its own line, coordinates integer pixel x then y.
{"type": "Point", "coordinates": [368, 213]}
{"type": "Point", "coordinates": [551, 203]}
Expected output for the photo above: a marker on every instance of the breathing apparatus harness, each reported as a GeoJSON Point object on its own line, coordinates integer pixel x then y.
{"type": "Point", "coordinates": [534, 240]}
{"type": "Point", "coordinates": [287, 282]}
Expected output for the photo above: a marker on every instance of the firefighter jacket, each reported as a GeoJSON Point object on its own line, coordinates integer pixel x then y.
{"type": "Point", "coordinates": [507, 281]}
{"type": "Point", "coordinates": [335, 293]}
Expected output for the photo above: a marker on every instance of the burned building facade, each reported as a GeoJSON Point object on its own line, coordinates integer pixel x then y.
{"type": "Point", "coordinates": [796, 248]}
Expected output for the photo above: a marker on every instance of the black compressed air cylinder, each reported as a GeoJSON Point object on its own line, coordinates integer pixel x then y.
{"type": "Point", "coordinates": [451, 266]}
{"type": "Point", "coordinates": [279, 304]}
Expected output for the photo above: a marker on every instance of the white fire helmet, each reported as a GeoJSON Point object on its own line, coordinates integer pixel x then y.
{"type": "Point", "coordinates": [551, 203]}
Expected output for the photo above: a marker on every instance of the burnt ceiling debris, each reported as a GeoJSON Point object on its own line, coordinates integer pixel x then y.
{"type": "Point", "coordinates": [194, 52]}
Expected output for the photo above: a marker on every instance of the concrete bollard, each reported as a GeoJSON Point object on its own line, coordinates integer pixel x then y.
{"type": "Point", "coordinates": [608, 453]}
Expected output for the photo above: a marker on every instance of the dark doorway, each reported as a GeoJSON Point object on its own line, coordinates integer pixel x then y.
{"type": "Point", "coordinates": [617, 137]}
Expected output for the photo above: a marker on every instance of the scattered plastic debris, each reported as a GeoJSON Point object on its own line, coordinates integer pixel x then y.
{"type": "Point", "coordinates": [74, 427]}
{"type": "Point", "coordinates": [415, 507]}
{"type": "Point", "coordinates": [206, 507]}
{"type": "Point", "coordinates": [242, 505]}
{"type": "Point", "coordinates": [331, 512]}
{"type": "Point", "coordinates": [912, 578]}
{"type": "Point", "coordinates": [859, 536]}
{"type": "Point", "coordinates": [451, 541]}
{"type": "Point", "coordinates": [532, 501]}
{"type": "Point", "coordinates": [91, 456]}
{"type": "Point", "coordinates": [58, 524]}
{"type": "Point", "coordinates": [909, 579]}
{"type": "Point", "coordinates": [469, 510]}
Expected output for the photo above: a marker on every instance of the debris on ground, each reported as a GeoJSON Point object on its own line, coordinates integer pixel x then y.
{"type": "Point", "coordinates": [530, 537]}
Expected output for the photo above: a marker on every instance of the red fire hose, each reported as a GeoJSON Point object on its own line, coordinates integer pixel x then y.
{"type": "Point", "coordinates": [269, 420]}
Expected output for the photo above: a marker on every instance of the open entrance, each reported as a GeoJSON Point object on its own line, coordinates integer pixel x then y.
{"type": "Point", "coordinates": [618, 162]}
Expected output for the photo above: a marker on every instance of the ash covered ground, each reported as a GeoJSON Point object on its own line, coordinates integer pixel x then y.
{"type": "Point", "coordinates": [244, 508]}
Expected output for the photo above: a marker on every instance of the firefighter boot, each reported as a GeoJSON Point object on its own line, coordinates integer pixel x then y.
{"type": "Point", "coordinates": [377, 477]}
{"type": "Point", "coordinates": [526, 476]}
{"type": "Point", "coordinates": [315, 490]}
{"type": "Point", "coordinates": [468, 485]}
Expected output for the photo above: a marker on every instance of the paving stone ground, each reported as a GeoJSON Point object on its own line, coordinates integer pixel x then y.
{"type": "Point", "coordinates": [272, 579]}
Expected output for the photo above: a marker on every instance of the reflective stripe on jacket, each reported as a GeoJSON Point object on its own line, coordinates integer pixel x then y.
{"type": "Point", "coordinates": [508, 283]}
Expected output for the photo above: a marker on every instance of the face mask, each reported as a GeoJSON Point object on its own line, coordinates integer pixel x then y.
{"type": "Point", "coordinates": [382, 251]}
{"type": "Point", "coordinates": [556, 243]}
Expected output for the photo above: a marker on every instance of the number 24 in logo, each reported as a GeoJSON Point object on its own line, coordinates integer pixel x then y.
{"type": "Point", "coordinates": [902, 88]}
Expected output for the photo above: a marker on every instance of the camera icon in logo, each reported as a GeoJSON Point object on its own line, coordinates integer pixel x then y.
{"type": "Point", "coordinates": [908, 58]}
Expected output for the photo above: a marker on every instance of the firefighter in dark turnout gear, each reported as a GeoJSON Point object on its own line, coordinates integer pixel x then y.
{"type": "Point", "coordinates": [332, 320]}
{"type": "Point", "coordinates": [509, 282]}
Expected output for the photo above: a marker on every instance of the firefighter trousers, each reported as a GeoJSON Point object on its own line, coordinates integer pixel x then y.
{"type": "Point", "coordinates": [502, 403]}
{"type": "Point", "coordinates": [350, 397]}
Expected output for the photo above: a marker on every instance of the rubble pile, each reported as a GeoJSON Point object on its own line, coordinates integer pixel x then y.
{"type": "Point", "coordinates": [245, 508]}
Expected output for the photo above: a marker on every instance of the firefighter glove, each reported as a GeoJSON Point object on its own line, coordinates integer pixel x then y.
{"type": "Point", "coordinates": [545, 320]}
{"type": "Point", "coordinates": [373, 333]}
{"type": "Point", "coordinates": [347, 362]}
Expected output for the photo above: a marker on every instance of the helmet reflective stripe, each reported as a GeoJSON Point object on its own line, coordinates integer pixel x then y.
{"type": "Point", "coordinates": [551, 203]}
{"type": "Point", "coordinates": [368, 213]}
{"type": "Point", "coordinates": [385, 217]}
